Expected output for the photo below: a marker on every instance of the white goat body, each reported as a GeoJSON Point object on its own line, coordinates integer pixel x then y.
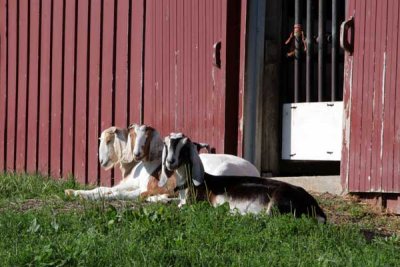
{"type": "Point", "coordinates": [224, 164]}
{"type": "Point", "coordinates": [243, 193]}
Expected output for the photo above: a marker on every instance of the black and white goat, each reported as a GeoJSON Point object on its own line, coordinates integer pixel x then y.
{"type": "Point", "coordinates": [245, 194]}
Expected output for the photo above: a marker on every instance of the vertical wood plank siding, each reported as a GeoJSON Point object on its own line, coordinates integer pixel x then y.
{"type": "Point", "coordinates": [184, 91]}
{"type": "Point", "coordinates": [3, 82]}
{"type": "Point", "coordinates": [94, 92]}
{"type": "Point", "coordinates": [69, 88]}
{"type": "Point", "coordinates": [12, 59]}
{"type": "Point", "coordinates": [370, 161]}
{"type": "Point", "coordinates": [71, 68]}
{"type": "Point", "coordinates": [22, 85]}
{"type": "Point", "coordinates": [68, 69]}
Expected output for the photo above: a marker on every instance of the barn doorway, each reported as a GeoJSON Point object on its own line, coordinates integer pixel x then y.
{"type": "Point", "coordinates": [312, 83]}
{"type": "Point", "coordinates": [299, 124]}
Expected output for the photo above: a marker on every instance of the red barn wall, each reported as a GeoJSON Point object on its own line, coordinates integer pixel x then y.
{"type": "Point", "coordinates": [70, 69]}
{"type": "Point", "coordinates": [371, 147]}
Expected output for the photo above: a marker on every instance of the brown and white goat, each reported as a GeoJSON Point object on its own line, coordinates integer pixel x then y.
{"type": "Point", "coordinates": [138, 177]}
{"type": "Point", "coordinates": [245, 194]}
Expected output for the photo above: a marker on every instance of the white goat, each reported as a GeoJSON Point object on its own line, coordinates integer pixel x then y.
{"type": "Point", "coordinates": [137, 177]}
{"type": "Point", "coordinates": [245, 194]}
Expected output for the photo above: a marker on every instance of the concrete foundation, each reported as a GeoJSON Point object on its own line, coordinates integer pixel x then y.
{"type": "Point", "coordinates": [319, 184]}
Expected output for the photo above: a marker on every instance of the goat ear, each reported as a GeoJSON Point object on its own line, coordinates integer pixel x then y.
{"type": "Point", "coordinates": [197, 166]}
{"type": "Point", "coordinates": [132, 126]}
{"type": "Point", "coordinates": [113, 129]}
{"type": "Point", "coordinates": [127, 152]}
{"type": "Point", "coordinates": [165, 173]}
{"type": "Point", "coordinates": [118, 147]}
{"type": "Point", "coordinates": [185, 140]}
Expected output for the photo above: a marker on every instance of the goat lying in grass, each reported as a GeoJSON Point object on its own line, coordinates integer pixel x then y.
{"type": "Point", "coordinates": [144, 143]}
{"type": "Point", "coordinates": [137, 177]}
{"type": "Point", "coordinates": [245, 194]}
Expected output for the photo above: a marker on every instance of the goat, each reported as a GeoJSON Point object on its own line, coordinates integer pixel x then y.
{"type": "Point", "coordinates": [245, 194]}
{"type": "Point", "coordinates": [138, 178]}
{"type": "Point", "coordinates": [216, 164]}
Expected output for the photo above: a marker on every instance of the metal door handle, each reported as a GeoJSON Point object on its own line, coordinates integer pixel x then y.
{"type": "Point", "coordinates": [344, 30]}
{"type": "Point", "coordinates": [217, 54]}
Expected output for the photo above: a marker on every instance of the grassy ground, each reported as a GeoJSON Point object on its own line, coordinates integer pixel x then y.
{"type": "Point", "coordinates": [40, 227]}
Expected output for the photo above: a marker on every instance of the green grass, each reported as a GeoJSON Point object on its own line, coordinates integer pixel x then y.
{"type": "Point", "coordinates": [40, 227]}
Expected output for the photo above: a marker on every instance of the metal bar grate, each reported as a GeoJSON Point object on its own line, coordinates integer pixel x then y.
{"type": "Point", "coordinates": [315, 76]}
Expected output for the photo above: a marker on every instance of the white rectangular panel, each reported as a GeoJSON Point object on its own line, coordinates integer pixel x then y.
{"type": "Point", "coordinates": [312, 131]}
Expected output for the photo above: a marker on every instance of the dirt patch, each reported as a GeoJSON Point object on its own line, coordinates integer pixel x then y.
{"type": "Point", "coordinates": [349, 209]}
{"type": "Point", "coordinates": [61, 205]}
{"type": "Point", "coordinates": [35, 204]}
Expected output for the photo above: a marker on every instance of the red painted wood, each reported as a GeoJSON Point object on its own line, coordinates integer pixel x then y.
{"type": "Point", "coordinates": [177, 96]}
{"type": "Point", "coordinates": [192, 120]}
{"type": "Point", "coordinates": [107, 75]}
{"type": "Point", "coordinates": [221, 88]}
{"type": "Point", "coordinates": [165, 48]}
{"type": "Point", "coordinates": [371, 162]}
{"type": "Point", "coordinates": [137, 75]}
{"type": "Point", "coordinates": [347, 163]}
{"type": "Point", "coordinates": [366, 120]}
{"type": "Point", "coordinates": [183, 90]}
{"type": "Point", "coordinates": [69, 90]}
{"type": "Point", "coordinates": [3, 81]}
{"type": "Point", "coordinates": [121, 72]}
{"type": "Point", "coordinates": [386, 100]}
{"type": "Point", "coordinates": [208, 94]}
{"type": "Point", "coordinates": [33, 89]}
{"type": "Point", "coordinates": [390, 97]}
{"type": "Point", "coordinates": [216, 72]}
{"type": "Point", "coordinates": [369, 115]}
{"type": "Point", "coordinates": [396, 147]}
{"type": "Point", "coordinates": [94, 92]}
{"type": "Point", "coordinates": [158, 82]}
{"type": "Point", "coordinates": [56, 89]}
{"type": "Point", "coordinates": [223, 79]}
{"type": "Point", "coordinates": [356, 125]}
{"type": "Point", "coordinates": [376, 171]}
{"type": "Point", "coordinates": [202, 86]}
{"type": "Point", "coordinates": [20, 160]}
{"type": "Point", "coordinates": [11, 85]}
{"type": "Point", "coordinates": [80, 152]}
{"type": "Point", "coordinates": [347, 91]}
{"type": "Point", "coordinates": [149, 101]}
{"type": "Point", "coordinates": [44, 106]}
{"type": "Point", "coordinates": [77, 88]}
{"type": "Point", "coordinates": [188, 97]}
{"type": "Point", "coordinates": [241, 76]}
{"type": "Point", "coordinates": [174, 124]}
